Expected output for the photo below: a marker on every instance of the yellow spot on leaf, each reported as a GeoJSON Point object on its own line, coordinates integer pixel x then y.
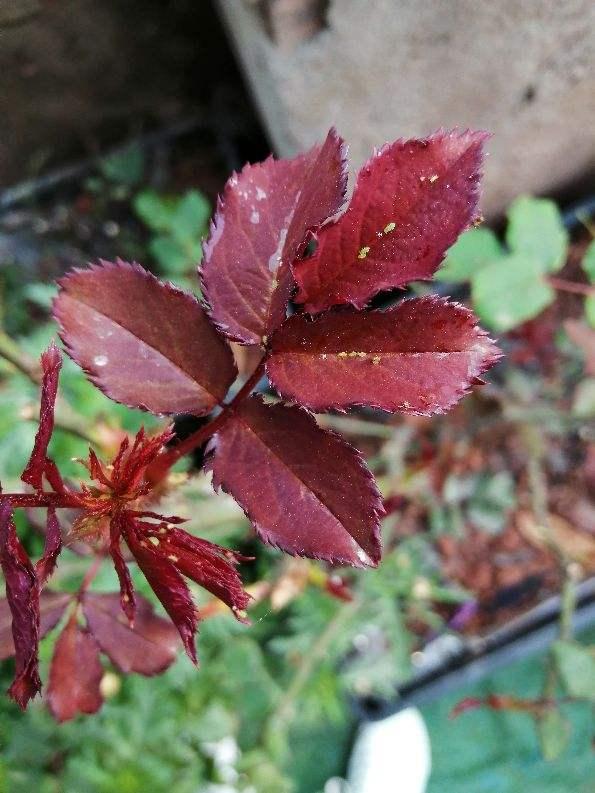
{"type": "Point", "coordinates": [433, 178]}
{"type": "Point", "coordinates": [390, 227]}
{"type": "Point", "coordinates": [342, 354]}
{"type": "Point", "coordinates": [154, 541]}
{"type": "Point", "coordinates": [376, 360]}
{"type": "Point", "coordinates": [172, 557]}
{"type": "Point", "coordinates": [363, 252]}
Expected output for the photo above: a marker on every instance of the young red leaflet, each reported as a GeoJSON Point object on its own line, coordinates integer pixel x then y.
{"type": "Point", "coordinates": [419, 357]}
{"type": "Point", "coordinates": [317, 499]}
{"type": "Point", "coordinates": [412, 200]}
{"type": "Point", "coordinates": [260, 228]}
{"type": "Point", "coordinates": [75, 674]}
{"type": "Point", "coordinates": [144, 342]}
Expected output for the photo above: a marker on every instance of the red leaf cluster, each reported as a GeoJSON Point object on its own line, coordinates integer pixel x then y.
{"type": "Point", "coordinates": [276, 237]}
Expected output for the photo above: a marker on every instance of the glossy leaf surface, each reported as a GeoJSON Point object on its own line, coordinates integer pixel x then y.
{"type": "Point", "coordinates": [260, 227]}
{"type": "Point", "coordinates": [419, 357]}
{"type": "Point", "coordinates": [304, 489]}
{"type": "Point", "coordinates": [75, 674]}
{"type": "Point", "coordinates": [142, 341]}
{"type": "Point", "coordinates": [411, 201]}
{"type": "Point", "coordinates": [147, 648]}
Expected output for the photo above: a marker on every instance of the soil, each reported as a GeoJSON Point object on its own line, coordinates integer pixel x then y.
{"type": "Point", "coordinates": [79, 76]}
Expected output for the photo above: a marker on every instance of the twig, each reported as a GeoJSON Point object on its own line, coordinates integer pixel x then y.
{"type": "Point", "coordinates": [164, 462]}
{"type": "Point", "coordinates": [65, 419]}
{"type": "Point", "coordinates": [282, 713]}
{"type": "Point", "coordinates": [570, 286]}
{"type": "Point", "coordinates": [354, 426]}
{"type": "Point", "coordinates": [11, 352]}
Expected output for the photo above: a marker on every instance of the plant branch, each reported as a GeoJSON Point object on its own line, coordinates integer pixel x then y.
{"type": "Point", "coordinates": [11, 352]}
{"type": "Point", "coordinates": [42, 500]}
{"type": "Point", "coordinates": [283, 712]}
{"type": "Point", "coordinates": [570, 286]}
{"type": "Point", "coordinates": [65, 419]}
{"type": "Point", "coordinates": [157, 471]}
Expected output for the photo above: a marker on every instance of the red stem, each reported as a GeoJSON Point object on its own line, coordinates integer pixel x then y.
{"type": "Point", "coordinates": [57, 500]}
{"type": "Point", "coordinates": [569, 286]}
{"type": "Point", "coordinates": [158, 470]}
{"type": "Point", "coordinates": [90, 575]}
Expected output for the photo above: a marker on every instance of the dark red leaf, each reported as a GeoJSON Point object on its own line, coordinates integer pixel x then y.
{"type": "Point", "coordinates": [304, 489]}
{"type": "Point", "coordinates": [148, 648]}
{"type": "Point", "coordinates": [22, 593]}
{"type": "Point", "coordinates": [207, 564]}
{"type": "Point", "coordinates": [51, 363]}
{"type": "Point", "coordinates": [127, 595]}
{"type": "Point", "coordinates": [419, 357]}
{"type": "Point", "coordinates": [52, 606]}
{"type": "Point", "coordinates": [53, 545]}
{"type": "Point", "coordinates": [167, 583]}
{"type": "Point", "coordinates": [261, 225]}
{"type": "Point", "coordinates": [145, 343]}
{"type": "Point", "coordinates": [412, 200]}
{"type": "Point", "coordinates": [75, 674]}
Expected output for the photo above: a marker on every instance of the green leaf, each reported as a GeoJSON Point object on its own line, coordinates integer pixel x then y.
{"type": "Point", "coordinates": [576, 667]}
{"type": "Point", "coordinates": [40, 294]}
{"type": "Point", "coordinates": [125, 166]}
{"type": "Point", "coordinates": [170, 255]}
{"type": "Point", "coordinates": [189, 222]}
{"type": "Point", "coordinates": [473, 250]}
{"type": "Point", "coordinates": [553, 731]}
{"type": "Point", "coordinates": [590, 311]}
{"type": "Point", "coordinates": [510, 291]}
{"type": "Point", "coordinates": [535, 228]}
{"type": "Point", "coordinates": [588, 262]}
{"type": "Point", "coordinates": [154, 210]}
